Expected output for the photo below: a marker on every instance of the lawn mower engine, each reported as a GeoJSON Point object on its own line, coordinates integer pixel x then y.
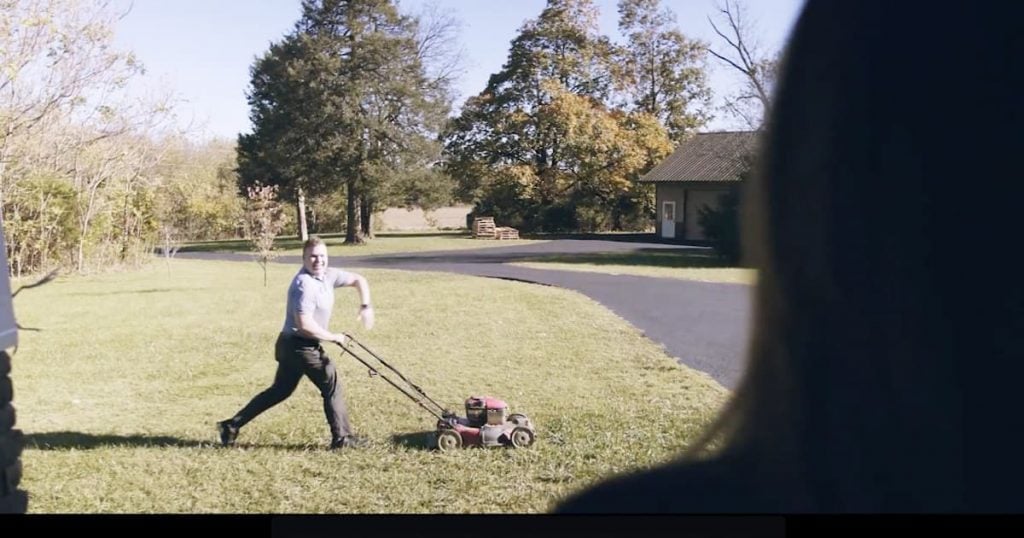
{"type": "Point", "coordinates": [487, 423]}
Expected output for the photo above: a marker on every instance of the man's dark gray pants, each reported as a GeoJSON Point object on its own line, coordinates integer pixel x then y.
{"type": "Point", "coordinates": [297, 357]}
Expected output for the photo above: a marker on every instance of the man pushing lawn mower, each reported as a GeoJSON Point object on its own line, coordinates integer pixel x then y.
{"type": "Point", "coordinates": [310, 299]}
{"type": "Point", "coordinates": [298, 350]}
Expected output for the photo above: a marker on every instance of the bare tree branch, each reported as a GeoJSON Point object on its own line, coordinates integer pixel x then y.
{"type": "Point", "coordinates": [722, 35]}
{"type": "Point", "coordinates": [436, 45]}
{"type": "Point", "coordinates": [739, 68]}
{"type": "Point", "coordinates": [743, 55]}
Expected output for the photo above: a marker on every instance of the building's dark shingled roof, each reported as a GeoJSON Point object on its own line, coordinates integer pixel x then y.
{"type": "Point", "coordinates": [705, 157]}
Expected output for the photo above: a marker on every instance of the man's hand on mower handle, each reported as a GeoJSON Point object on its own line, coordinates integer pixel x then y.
{"type": "Point", "coordinates": [339, 338]}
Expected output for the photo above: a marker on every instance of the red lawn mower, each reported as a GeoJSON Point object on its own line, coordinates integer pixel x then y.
{"type": "Point", "coordinates": [487, 422]}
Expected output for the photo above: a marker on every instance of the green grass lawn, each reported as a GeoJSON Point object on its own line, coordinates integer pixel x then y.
{"type": "Point", "coordinates": [119, 392]}
{"type": "Point", "coordinates": [383, 243]}
{"type": "Point", "coordinates": [699, 265]}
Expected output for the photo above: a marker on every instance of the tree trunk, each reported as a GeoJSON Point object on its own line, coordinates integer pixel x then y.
{"type": "Point", "coordinates": [352, 235]}
{"type": "Point", "coordinates": [303, 231]}
{"type": "Point", "coordinates": [84, 222]}
{"type": "Point", "coordinates": [365, 214]}
{"type": "Point", "coordinates": [4, 157]}
{"type": "Point", "coordinates": [81, 253]}
{"type": "Point", "coordinates": [124, 225]}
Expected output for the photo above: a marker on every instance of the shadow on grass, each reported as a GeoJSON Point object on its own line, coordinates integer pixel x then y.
{"type": "Point", "coordinates": [232, 245]}
{"type": "Point", "coordinates": [83, 441]}
{"type": "Point", "coordinates": [417, 440]}
{"type": "Point", "coordinates": [293, 242]}
{"type": "Point", "coordinates": [621, 237]}
{"type": "Point", "coordinates": [67, 440]}
{"type": "Point", "coordinates": [644, 257]}
{"type": "Point", "coordinates": [450, 234]}
{"type": "Point", "coordinates": [133, 292]}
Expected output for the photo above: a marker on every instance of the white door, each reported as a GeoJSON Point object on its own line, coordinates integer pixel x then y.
{"type": "Point", "coordinates": [668, 220]}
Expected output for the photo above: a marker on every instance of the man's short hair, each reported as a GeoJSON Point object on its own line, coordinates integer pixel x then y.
{"type": "Point", "coordinates": [310, 243]}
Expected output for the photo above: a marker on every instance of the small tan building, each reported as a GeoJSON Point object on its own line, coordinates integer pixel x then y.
{"type": "Point", "coordinates": [699, 171]}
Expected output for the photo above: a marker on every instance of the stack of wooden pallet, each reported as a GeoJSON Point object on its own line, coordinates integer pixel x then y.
{"type": "Point", "coordinates": [506, 233]}
{"type": "Point", "coordinates": [483, 228]}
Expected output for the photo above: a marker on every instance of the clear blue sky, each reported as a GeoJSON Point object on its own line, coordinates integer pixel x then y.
{"type": "Point", "coordinates": [202, 49]}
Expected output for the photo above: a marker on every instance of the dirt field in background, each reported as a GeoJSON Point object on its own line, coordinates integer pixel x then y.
{"type": "Point", "coordinates": [399, 219]}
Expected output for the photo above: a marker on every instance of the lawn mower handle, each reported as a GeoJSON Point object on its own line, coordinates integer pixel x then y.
{"type": "Point", "coordinates": [440, 412]}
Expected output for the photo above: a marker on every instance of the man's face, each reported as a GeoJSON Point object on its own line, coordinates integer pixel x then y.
{"type": "Point", "coordinates": [315, 260]}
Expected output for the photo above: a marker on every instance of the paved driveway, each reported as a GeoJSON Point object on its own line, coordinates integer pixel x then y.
{"type": "Point", "coordinates": [702, 325]}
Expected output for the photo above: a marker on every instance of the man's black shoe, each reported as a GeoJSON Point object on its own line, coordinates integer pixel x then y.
{"type": "Point", "coordinates": [349, 441]}
{"type": "Point", "coordinates": [228, 432]}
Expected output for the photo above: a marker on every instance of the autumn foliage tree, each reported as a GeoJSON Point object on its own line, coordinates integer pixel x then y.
{"type": "Point", "coordinates": [551, 144]}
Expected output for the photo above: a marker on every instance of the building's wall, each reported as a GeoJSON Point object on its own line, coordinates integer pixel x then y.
{"type": "Point", "coordinates": [689, 198]}
{"type": "Point", "coordinates": [672, 192]}
{"type": "Point", "coordinates": [696, 199]}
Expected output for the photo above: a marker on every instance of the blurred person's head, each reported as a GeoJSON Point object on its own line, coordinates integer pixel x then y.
{"type": "Point", "coordinates": [884, 221]}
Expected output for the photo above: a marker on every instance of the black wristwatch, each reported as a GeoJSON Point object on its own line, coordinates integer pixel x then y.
{"type": "Point", "coordinates": [365, 306]}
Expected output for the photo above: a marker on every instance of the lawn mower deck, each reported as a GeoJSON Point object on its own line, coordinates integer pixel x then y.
{"type": "Point", "coordinates": [487, 423]}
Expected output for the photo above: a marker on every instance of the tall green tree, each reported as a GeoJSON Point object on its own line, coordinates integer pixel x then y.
{"type": "Point", "coordinates": [342, 103]}
{"type": "Point", "coordinates": [663, 73]}
{"type": "Point", "coordinates": [500, 129]}
{"type": "Point", "coordinates": [274, 152]}
{"type": "Point", "coordinates": [540, 148]}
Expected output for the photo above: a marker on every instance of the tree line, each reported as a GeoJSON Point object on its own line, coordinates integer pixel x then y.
{"type": "Point", "coordinates": [351, 113]}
